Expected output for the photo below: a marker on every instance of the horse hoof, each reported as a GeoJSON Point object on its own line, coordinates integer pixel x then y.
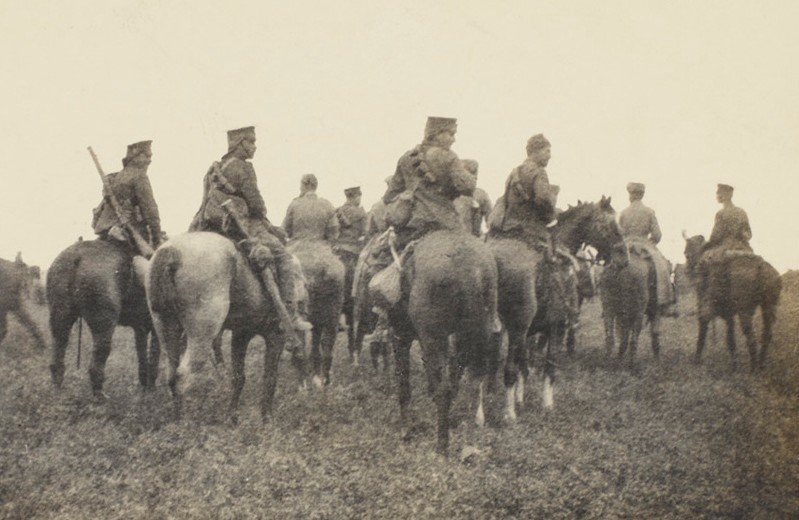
{"type": "Point", "coordinates": [510, 418]}
{"type": "Point", "coordinates": [234, 419]}
{"type": "Point", "coordinates": [317, 382]}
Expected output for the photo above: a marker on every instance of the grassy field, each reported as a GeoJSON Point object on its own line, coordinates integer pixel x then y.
{"type": "Point", "coordinates": [673, 441]}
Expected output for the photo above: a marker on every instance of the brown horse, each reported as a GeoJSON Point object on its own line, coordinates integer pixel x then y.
{"type": "Point", "coordinates": [95, 280]}
{"type": "Point", "coordinates": [737, 286]}
{"type": "Point", "coordinates": [200, 284]}
{"type": "Point", "coordinates": [324, 275]}
{"type": "Point", "coordinates": [518, 268]}
{"type": "Point", "coordinates": [449, 302]}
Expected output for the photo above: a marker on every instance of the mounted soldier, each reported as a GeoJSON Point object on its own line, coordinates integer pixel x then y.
{"type": "Point", "coordinates": [419, 199]}
{"type": "Point", "coordinates": [641, 231]}
{"type": "Point", "coordinates": [310, 217]}
{"type": "Point", "coordinates": [352, 225]}
{"type": "Point", "coordinates": [528, 205]}
{"type": "Point", "coordinates": [233, 178]}
{"type": "Point", "coordinates": [476, 208]}
{"type": "Point", "coordinates": [428, 178]}
{"type": "Point", "coordinates": [376, 218]}
{"type": "Point", "coordinates": [352, 237]}
{"type": "Point", "coordinates": [130, 189]}
{"type": "Point", "coordinates": [730, 238]}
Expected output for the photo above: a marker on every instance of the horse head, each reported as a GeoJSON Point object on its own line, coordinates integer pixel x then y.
{"type": "Point", "coordinates": [692, 251]}
{"type": "Point", "coordinates": [592, 223]}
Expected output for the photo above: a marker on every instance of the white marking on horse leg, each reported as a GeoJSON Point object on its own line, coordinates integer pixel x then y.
{"type": "Point", "coordinates": [519, 387]}
{"type": "Point", "coordinates": [480, 418]}
{"type": "Point", "coordinates": [548, 397]}
{"type": "Point", "coordinates": [356, 359]}
{"type": "Point", "coordinates": [510, 404]}
{"type": "Point", "coordinates": [184, 372]}
{"type": "Point", "coordinates": [317, 381]}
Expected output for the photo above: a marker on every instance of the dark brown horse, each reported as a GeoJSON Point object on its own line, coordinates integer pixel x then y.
{"type": "Point", "coordinates": [518, 268]}
{"type": "Point", "coordinates": [736, 286]}
{"type": "Point", "coordinates": [449, 302]}
{"type": "Point", "coordinates": [95, 280]}
{"type": "Point", "coordinates": [324, 277]}
{"type": "Point", "coordinates": [199, 284]}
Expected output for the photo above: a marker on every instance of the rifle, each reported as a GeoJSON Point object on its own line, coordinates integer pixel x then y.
{"type": "Point", "coordinates": [269, 275]}
{"type": "Point", "coordinates": [144, 247]}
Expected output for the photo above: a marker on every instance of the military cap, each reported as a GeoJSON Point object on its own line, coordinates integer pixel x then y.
{"type": "Point", "coordinates": [636, 187]}
{"type": "Point", "coordinates": [309, 179]}
{"type": "Point", "coordinates": [471, 165]}
{"type": "Point", "coordinates": [234, 137]}
{"type": "Point", "coordinates": [136, 149]}
{"type": "Point", "coordinates": [387, 180]}
{"type": "Point", "coordinates": [436, 125]}
{"type": "Point", "coordinates": [536, 143]}
{"type": "Point", "coordinates": [725, 188]}
{"type": "Point", "coordinates": [352, 192]}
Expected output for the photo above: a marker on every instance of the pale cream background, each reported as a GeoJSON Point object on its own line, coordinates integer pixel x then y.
{"type": "Point", "coordinates": [679, 95]}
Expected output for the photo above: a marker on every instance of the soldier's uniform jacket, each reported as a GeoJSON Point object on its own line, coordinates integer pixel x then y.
{"type": "Point", "coordinates": [473, 209]}
{"type": "Point", "coordinates": [352, 227]}
{"type": "Point", "coordinates": [405, 177]}
{"type": "Point", "coordinates": [376, 219]}
{"type": "Point", "coordinates": [731, 229]}
{"type": "Point", "coordinates": [311, 217]}
{"type": "Point", "coordinates": [133, 192]}
{"type": "Point", "coordinates": [639, 221]}
{"type": "Point", "coordinates": [527, 206]}
{"type": "Point", "coordinates": [442, 179]}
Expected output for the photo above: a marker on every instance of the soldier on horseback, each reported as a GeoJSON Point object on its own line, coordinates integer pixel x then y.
{"type": "Point", "coordinates": [730, 237]}
{"type": "Point", "coordinates": [528, 205]}
{"type": "Point", "coordinates": [132, 190]}
{"type": "Point", "coordinates": [731, 231]}
{"type": "Point", "coordinates": [352, 226]}
{"type": "Point", "coordinates": [310, 217]}
{"type": "Point", "coordinates": [233, 178]}
{"type": "Point", "coordinates": [641, 231]}
{"type": "Point", "coordinates": [419, 197]}
{"type": "Point", "coordinates": [474, 208]}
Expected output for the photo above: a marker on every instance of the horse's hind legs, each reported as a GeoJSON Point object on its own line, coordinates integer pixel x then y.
{"type": "Point", "coordinates": [751, 342]}
{"type": "Point", "coordinates": [731, 342]}
{"type": "Point", "coordinates": [60, 326]}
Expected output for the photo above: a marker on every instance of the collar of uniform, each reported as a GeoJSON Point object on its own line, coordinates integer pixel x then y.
{"type": "Point", "coordinates": [309, 194]}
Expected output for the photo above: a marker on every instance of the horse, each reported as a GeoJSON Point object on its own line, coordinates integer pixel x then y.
{"type": "Point", "coordinates": [325, 277]}
{"type": "Point", "coordinates": [199, 284]}
{"type": "Point", "coordinates": [628, 294]}
{"type": "Point", "coordinates": [740, 284]}
{"type": "Point", "coordinates": [518, 268]}
{"type": "Point", "coordinates": [364, 320]}
{"type": "Point", "coordinates": [449, 288]}
{"type": "Point", "coordinates": [20, 290]}
{"type": "Point", "coordinates": [349, 260]}
{"type": "Point", "coordinates": [95, 280]}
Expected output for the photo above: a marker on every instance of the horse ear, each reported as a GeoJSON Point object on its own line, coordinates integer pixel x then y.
{"type": "Point", "coordinates": [684, 235]}
{"type": "Point", "coordinates": [578, 202]}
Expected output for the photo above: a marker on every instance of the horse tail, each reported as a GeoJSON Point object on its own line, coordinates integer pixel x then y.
{"type": "Point", "coordinates": [163, 294]}
{"type": "Point", "coordinates": [61, 278]}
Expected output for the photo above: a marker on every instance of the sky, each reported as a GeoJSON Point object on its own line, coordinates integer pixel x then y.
{"type": "Point", "coordinates": [679, 95]}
